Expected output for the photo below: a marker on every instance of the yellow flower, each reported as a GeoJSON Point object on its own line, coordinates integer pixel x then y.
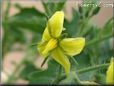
{"type": "Point", "coordinates": [59, 48]}
{"type": "Point", "coordinates": [110, 73]}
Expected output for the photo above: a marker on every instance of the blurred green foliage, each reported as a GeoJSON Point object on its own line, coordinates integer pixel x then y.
{"type": "Point", "coordinates": [97, 50]}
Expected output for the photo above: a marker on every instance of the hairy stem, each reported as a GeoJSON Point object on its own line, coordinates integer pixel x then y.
{"type": "Point", "coordinates": [98, 40]}
{"type": "Point", "coordinates": [58, 79]}
{"type": "Point", "coordinates": [6, 28]}
{"type": "Point", "coordinates": [92, 68]}
{"type": "Point", "coordinates": [84, 70]}
{"type": "Point", "coordinates": [76, 78]}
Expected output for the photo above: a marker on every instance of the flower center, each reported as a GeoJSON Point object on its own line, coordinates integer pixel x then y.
{"type": "Point", "coordinates": [50, 45]}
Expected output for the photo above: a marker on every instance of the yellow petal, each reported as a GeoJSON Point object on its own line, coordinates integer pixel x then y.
{"type": "Point", "coordinates": [54, 26]}
{"type": "Point", "coordinates": [110, 73]}
{"type": "Point", "coordinates": [56, 23]}
{"type": "Point", "coordinates": [46, 36]}
{"type": "Point", "coordinates": [72, 46]}
{"type": "Point", "coordinates": [41, 47]}
{"type": "Point", "coordinates": [59, 56]}
{"type": "Point", "coordinates": [50, 46]}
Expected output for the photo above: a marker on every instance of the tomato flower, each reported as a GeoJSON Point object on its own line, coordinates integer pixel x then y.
{"type": "Point", "coordinates": [110, 73]}
{"type": "Point", "coordinates": [57, 47]}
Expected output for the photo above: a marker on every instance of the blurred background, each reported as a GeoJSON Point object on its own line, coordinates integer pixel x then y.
{"type": "Point", "coordinates": [26, 22]}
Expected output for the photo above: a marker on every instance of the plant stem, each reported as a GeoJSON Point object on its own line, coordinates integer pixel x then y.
{"type": "Point", "coordinates": [44, 61]}
{"type": "Point", "coordinates": [84, 24]}
{"type": "Point", "coordinates": [98, 40]}
{"type": "Point", "coordinates": [6, 28]}
{"type": "Point", "coordinates": [76, 78]}
{"type": "Point", "coordinates": [58, 79]}
{"type": "Point", "coordinates": [74, 60]}
{"type": "Point", "coordinates": [34, 44]}
{"type": "Point", "coordinates": [92, 68]}
{"type": "Point", "coordinates": [83, 71]}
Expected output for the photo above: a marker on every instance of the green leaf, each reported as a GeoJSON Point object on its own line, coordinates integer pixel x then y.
{"type": "Point", "coordinates": [90, 8]}
{"type": "Point", "coordinates": [16, 33]}
{"type": "Point", "coordinates": [87, 76]}
{"type": "Point", "coordinates": [82, 59]}
{"type": "Point", "coordinates": [28, 68]}
{"type": "Point", "coordinates": [100, 78]}
{"type": "Point", "coordinates": [36, 38]}
{"type": "Point", "coordinates": [30, 19]}
{"type": "Point", "coordinates": [95, 11]}
{"type": "Point", "coordinates": [45, 76]}
{"type": "Point", "coordinates": [60, 5]}
{"type": "Point", "coordinates": [108, 27]}
{"type": "Point", "coordinates": [100, 34]}
{"type": "Point", "coordinates": [73, 26]}
{"type": "Point", "coordinates": [52, 6]}
{"type": "Point", "coordinates": [80, 9]}
{"type": "Point", "coordinates": [68, 80]}
{"type": "Point", "coordinates": [106, 52]}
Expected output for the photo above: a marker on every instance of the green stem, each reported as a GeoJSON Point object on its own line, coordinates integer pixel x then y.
{"type": "Point", "coordinates": [6, 28]}
{"type": "Point", "coordinates": [84, 24]}
{"type": "Point", "coordinates": [58, 79]}
{"type": "Point", "coordinates": [45, 6]}
{"type": "Point", "coordinates": [74, 60]}
{"type": "Point", "coordinates": [84, 70]}
{"type": "Point", "coordinates": [34, 44]}
{"type": "Point", "coordinates": [44, 61]}
{"type": "Point", "coordinates": [76, 78]}
{"type": "Point", "coordinates": [6, 14]}
{"type": "Point", "coordinates": [98, 40]}
{"type": "Point", "coordinates": [92, 68]}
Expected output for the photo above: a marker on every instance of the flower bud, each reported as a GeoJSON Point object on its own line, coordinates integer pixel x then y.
{"type": "Point", "coordinates": [110, 73]}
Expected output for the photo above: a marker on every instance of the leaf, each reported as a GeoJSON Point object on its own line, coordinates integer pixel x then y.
{"type": "Point", "coordinates": [46, 76]}
{"type": "Point", "coordinates": [73, 26]}
{"type": "Point", "coordinates": [95, 11]}
{"type": "Point", "coordinates": [87, 76]}
{"type": "Point", "coordinates": [36, 38]}
{"type": "Point", "coordinates": [68, 80]}
{"type": "Point", "coordinates": [52, 6]}
{"type": "Point", "coordinates": [82, 59]}
{"type": "Point", "coordinates": [16, 33]}
{"type": "Point", "coordinates": [28, 18]}
{"type": "Point", "coordinates": [98, 35]}
{"type": "Point", "coordinates": [28, 68]}
{"type": "Point", "coordinates": [108, 27]}
{"type": "Point", "coordinates": [106, 52]}
{"type": "Point", "coordinates": [90, 8]}
{"type": "Point", "coordinates": [100, 78]}
{"type": "Point", "coordinates": [60, 4]}
{"type": "Point", "coordinates": [80, 9]}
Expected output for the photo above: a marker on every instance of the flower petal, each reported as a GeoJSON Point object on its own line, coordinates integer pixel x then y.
{"type": "Point", "coordinates": [110, 73]}
{"type": "Point", "coordinates": [41, 47]}
{"type": "Point", "coordinates": [59, 56]}
{"type": "Point", "coordinates": [54, 26]}
{"type": "Point", "coordinates": [72, 46]}
{"type": "Point", "coordinates": [56, 23]}
{"type": "Point", "coordinates": [44, 48]}
{"type": "Point", "coordinates": [46, 36]}
{"type": "Point", "coordinates": [52, 43]}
